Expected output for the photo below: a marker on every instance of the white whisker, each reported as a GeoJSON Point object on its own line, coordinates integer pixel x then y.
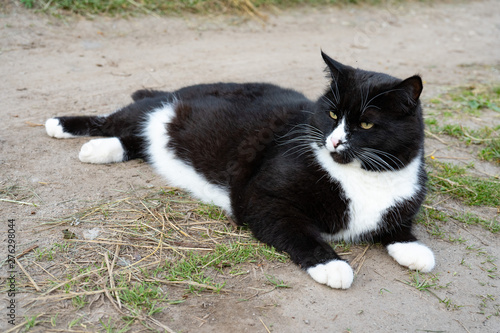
{"type": "Point", "coordinates": [382, 93]}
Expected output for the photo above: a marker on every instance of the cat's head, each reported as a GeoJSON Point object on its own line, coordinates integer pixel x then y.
{"type": "Point", "coordinates": [370, 117]}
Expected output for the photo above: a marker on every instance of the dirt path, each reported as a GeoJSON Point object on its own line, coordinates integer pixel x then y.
{"type": "Point", "coordinates": [49, 67]}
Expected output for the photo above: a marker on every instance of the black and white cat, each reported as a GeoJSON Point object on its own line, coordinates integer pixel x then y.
{"type": "Point", "coordinates": [299, 173]}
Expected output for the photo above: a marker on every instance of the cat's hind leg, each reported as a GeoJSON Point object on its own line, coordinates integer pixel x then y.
{"type": "Point", "coordinates": [112, 150]}
{"type": "Point", "coordinates": [101, 151]}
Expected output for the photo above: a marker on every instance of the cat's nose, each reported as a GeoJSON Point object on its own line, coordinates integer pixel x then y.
{"type": "Point", "coordinates": [336, 142]}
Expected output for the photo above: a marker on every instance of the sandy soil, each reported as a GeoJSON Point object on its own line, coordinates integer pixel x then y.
{"type": "Point", "coordinates": [51, 67]}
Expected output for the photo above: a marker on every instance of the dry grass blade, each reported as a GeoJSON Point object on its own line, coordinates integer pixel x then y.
{"type": "Point", "coordinates": [157, 323]}
{"type": "Point", "coordinates": [141, 7]}
{"type": "Point", "coordinates": [250, 9]}
{"type": "Point", "coordinates": [190, 283]}
{"type": "Point", "coordinates": [435, 137]}
{"type": "Point", "coordinates": [72, 295]}
{"type": "Point", "coordinates": [22, 254]}
{"type": "Point", "coordinates": [267, 329]}
{"type": "Point", "coordinates": [111, 278]}
{"type": "Point", "coordinates": [28, 276]}
{"type": "Point", "coordinates": [117, 252]}
{"type": "Point", "coordinates": [72, 280]}
{"type": "Point", "coordinates": [19, 202]}
{"type": "Point", "coordinates": [359, 260]}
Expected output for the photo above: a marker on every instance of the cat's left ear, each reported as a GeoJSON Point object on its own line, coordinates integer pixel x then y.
{"type": "Point", "coordinates": [413, 88]}
{"type": "Point", "coordinates": [335, 67]}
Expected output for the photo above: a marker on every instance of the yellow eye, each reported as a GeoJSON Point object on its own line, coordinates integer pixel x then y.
{"type": "Point", "coordinates": [366, 125]}
{"type": "Point", "coordinates": [333, 115]}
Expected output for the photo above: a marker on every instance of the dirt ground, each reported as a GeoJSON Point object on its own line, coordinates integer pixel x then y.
{"type": "Point", "coordinates": [51, 67]}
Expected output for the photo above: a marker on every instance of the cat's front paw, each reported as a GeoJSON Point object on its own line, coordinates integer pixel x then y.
{"type": "Point", "coordinates": [54, 129]}
{"type": "Point", "coordinates": [99, 151]}
{"type": "Point", "coordinates": [336, 274]}
{"type": "Point", "coordinates": [413, 255]}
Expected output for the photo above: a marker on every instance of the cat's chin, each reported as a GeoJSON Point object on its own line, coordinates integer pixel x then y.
{"type": "Point", "coordinates": [341, 157]}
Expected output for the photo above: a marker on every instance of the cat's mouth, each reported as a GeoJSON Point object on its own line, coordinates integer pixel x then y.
{"type": "Point", "coordinates": [341, 157]}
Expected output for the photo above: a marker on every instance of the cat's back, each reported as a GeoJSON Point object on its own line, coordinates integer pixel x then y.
{"type": "Point", "coordinates": [238, 106]}
{"type": "Point", "coordinates": [227, 116]}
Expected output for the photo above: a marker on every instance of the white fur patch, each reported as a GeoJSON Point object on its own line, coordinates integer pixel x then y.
{"type": "Point", "coordinates": [100, 151]}
{"type": "Point", "coordinates": [177, 172]}
{"type": "Point", "coordinates": [370, 193]}
{"type": "Point", "coordinates": [55, 130]}
{"type": "Point", "coordinates": [339, 134]}
{"type": "Point", "coordinates": [336, 274]}
{"type": "Point", "coordinates": [413, 255]}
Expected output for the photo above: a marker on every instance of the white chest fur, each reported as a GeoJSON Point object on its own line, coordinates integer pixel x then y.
{"type": "Point", "coordinates": [370, 193]}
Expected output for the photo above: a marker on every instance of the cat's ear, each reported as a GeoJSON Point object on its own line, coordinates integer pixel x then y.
{"type": "Point", "coordinates": [336, 68]}
{"type": "Point", "coordinates": [404, 95]}
{"type": "Point", "coordinates": [413, 87]}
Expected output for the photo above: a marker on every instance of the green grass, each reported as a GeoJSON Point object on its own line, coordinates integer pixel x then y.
{"type": "Point", "coordinates": [471, 219]}
{"type": "Point", "coordinates": [489, 302]}
{"type": "Point", "coordinates": [74, 322]}
{"type": "Point", "coordinates": [110, 327]}
{"type": "Point", "coordinates": [145, 298]}
{"type": "Point", "coordinates": [471, 136]}
{"type": "Point", "coordinates": [211, 212]}
{"type": "Point", "coordinates": [49, 253]}
{"type": "Point", "coordinates": [31, 321]}
{"type": "Point", "coordinates": [79, 301]}
{"type": "Point", "coordinates": [162, 7]}
{"type": "Point", "coordinates": [466, 105]}
{"type": "Point", "coordinates": [421, 282]}
{"type": "Point", "coordinates": [492, 150]}
{"type": "Point", "coordinates": [430, 218]}
{"type": "Point", "coordinates": [276, 282]}
{"type": "Point", "coordinates": [487, 137]}
{"type": "Point", "coordinates": [428, 283]}
{"type": "Point", "coordinates": [198, 267]}
{"type": "Point", "coordinates": [469, 100]}
{"type": "Point", "coordinates": [450, 180]}
{"type": "Point", "coordinates": [453, 180]}
{"type": "Point", "coordinates": [476, 98]}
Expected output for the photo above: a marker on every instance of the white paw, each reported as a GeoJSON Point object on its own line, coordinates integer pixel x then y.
{"type": "Point", "coordinates": [101, 151]}
{"type": "Point", "coordinates": [55, 130]}
{"type": "Point", "coordinates": [412, 255]}
{"type": "Point", "coordinates": [335, 274]}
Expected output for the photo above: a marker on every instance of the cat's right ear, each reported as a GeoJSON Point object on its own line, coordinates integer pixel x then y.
{"type": "Point", "coordinates": [413, 87]}
{"type": "Point", "coordinates": [335, 67]}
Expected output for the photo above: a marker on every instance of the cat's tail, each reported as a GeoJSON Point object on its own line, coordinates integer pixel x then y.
{"type": "Point", "coordinates": [123, 122]}
{"type": "Point", "coordinates": [149, 93]}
